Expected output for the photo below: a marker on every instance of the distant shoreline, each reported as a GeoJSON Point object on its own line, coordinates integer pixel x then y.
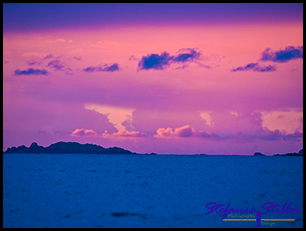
{"type": "Point", "coordinates": [77, 148]}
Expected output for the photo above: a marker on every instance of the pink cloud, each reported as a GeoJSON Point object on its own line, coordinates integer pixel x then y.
{"type": "Point", "coordinates": [125, 133]}
{"type": "Point", "coordinates": [91, 133]}
{"type": "Point", "coordinates": [185, 131]}
{"type": "Point", "coordinates": [261, 134]}
{"type": "Point", "coordinates": [83, 133]}
{"type": "Point", "coordinates": [164, 133]}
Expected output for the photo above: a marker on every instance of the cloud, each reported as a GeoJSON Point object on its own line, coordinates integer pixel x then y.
{"type": "Point", "coordinates": [188, 54]}
{"type": "Point", "coordinates": [154, 61]}
{"type": "Point", "coordinates": [84, 133]}
{"type": "Point", "coordinates": [265, 135]}
{"type": "Point", "coordinates": [49, 56]}
{"type": "Point", "coordinates": [255, 67]}
{"type": "Point", "coordinates": [281, 56]}
{"type": "Point", "coordinates": [278, 135]}
{"type": "Point", "coordinates": [132, 58]}
{"type": "Point", "coordinates": [91, 133]}
{"type": "Point", "coordinates": [31, 71]}
{"type": "Point", "coordinates": [107, 68]}
{"type": "Point", "coordinates": [164, 133]}
{"type": "Point", "coordinates": [261, 134]}
{"type": "Point", "coordinates": [294, 136]}
{"type": "Point", "coordinates": [185, 131]}
{"type": "Point", "coordinates": [111, 68]}
{"type": "Point", "coordinates": [160, 62]}
{"type": "Point", "coordinates": [204, 134]}
{"type": "Point", "coordinates": [125, 133]}
{"type": "Point", "coordinates": [32, 63]}
{"type": "Point", "coordinates": [265, 68]}
{"type": "Point", "coordinates": [56, 64]}
{"type": "Point", "coordinates": [59, 66]}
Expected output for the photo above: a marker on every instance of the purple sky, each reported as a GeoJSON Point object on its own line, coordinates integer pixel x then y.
{"type": "Point", "coordinates": [164, 78]}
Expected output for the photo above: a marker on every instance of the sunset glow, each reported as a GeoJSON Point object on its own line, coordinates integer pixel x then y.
{"type": "Point", "coordinates": [207, 84]}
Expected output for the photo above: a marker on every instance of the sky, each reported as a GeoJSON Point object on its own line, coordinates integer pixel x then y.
{"type": "Point", "coordinates": [164, 78]}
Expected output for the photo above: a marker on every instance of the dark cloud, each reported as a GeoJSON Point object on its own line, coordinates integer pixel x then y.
{"type": "Point", "coordinates": [282, 56]}
{"type": "Point", "coordinates": [265, 134]}
{"type": "Point", "coordinates": [294, 136]}
{"type": "Point", "coordinates": [255, 67]}
{"type": "Point", "coordinates": [187, 54]}
{"type": "Point", "coordinates": [265, 68]}
{"type": "Point", "coordinates": [90, 69]}
{"type": "Point", "coordinates": [60, 66]}
{"type": "Point", "coordinates": [204, 134]}
{"type": "Point", "coordinates": [31, 71]}
{"type": "Point", "coordinates": [111, 68]}
{"type": "Point", "coordinates": [154, 61]}
{"type": "Point", "coordinates": [160, 62]}
{"type": "Point", "coordinates": [247, 67]}
{"type": "Point", "coordinates": [107, 68]}
{"type": "Point", "coordinates": [56, 64]}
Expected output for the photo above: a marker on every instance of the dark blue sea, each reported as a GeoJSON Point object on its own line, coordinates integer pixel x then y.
{"type": "Point", "coordinates": [85, 190]}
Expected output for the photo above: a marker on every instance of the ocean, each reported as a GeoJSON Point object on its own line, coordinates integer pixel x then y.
{"type": "Point", "coordinates": [109, 190]}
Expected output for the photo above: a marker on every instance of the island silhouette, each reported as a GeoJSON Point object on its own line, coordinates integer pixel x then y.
{"type": "Point", "coordinates": [68, 147]}
{"type": "Point", "coordinates": [77, 148]}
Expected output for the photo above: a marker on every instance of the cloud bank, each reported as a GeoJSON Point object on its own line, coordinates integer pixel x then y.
{"type": "Point", "coordinates": [263, 134]}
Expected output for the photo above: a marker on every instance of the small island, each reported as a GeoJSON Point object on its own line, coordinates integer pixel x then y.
{"type": "Point", "coordinates": [258, 154]}
{"type": "Point", "coordinates": [68, 147]}
{"type": "Point", "coordinates": [300, 153]}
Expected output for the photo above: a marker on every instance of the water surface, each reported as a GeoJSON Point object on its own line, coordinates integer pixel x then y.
{"type": "Point", "coordinates": [80, 190]}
